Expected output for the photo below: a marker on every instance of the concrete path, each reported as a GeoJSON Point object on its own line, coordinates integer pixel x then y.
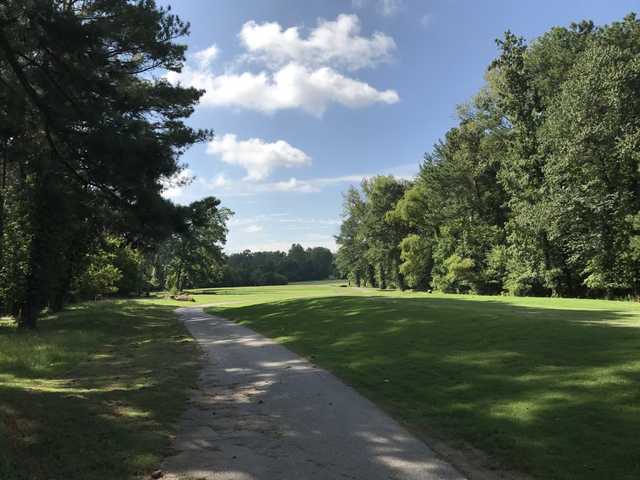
{"type": "Point", "coordinates": [262, 412]}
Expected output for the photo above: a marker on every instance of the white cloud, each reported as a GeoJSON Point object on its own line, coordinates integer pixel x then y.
{"type": "Point", "coordinates": [314, 185]}
{"type": "Point", "coordinates": [253, 229]}
{"type": "Point", "coordinates": [256, 156]}
{"type": "Point", "coordinates": [207, 56]}
{"type": "Point", "coordinates": [384, 7]}
{"type": "Point", "coordinates": [390, 7]}
{"type": "Point", "coordinates": [291, 185]}
{"type": "Point", "coordinates": [318, 184]}
{"type": "Point", "coordinates": [292, 86]}
{"type": "Point", "coordinates": [336, 43]}
{"type": "Point", "coordinates": [222, 186]}
{"type": "Point", "coordinates": [218, 181]}
{"type": "Point", "coordinates": [299, 73]}
{"type": "Point", "coordinates": [425, 21]}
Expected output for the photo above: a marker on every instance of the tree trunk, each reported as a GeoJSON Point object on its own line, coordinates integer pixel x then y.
{"type": "Point", "coordinates": [35, 280]}
{"type": "Point", "coordinates": [59, 296]}
{"type": "Point", "coordinates": [28, 316]}
{"type": "Point", "coordinates": [371, 276]}
{"type": "Point", "coordinates": [179, 279]}
{"type": "Point", "coordinates": [39, 270]}
{"type": "Point", "coordinates": [3, 186]}
{"type": "Point", "coordinates": [399, 278]}
{"type": "Point", "coordinates": [383, 277]}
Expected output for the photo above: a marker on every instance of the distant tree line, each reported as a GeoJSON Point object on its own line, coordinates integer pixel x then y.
{"type": "Point", "coordinates": [536, 191]}
{"type": "Point", "coordinates": [278, 268]}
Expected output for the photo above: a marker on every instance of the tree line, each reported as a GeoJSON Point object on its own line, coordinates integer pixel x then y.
{"type": "Point", "coordinates": [536, 191]}
{"type": "Point", "coordinates": [278, 268]}
{"type": "Point", "coordinates": [90, 132]}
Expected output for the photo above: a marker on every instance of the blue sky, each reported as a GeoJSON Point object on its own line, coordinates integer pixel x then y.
{"type": "Point", "coordinates": [307, 97]}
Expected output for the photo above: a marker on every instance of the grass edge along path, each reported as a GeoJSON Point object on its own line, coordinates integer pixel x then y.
{"type": "Point", "coordinates": [546, 387]}
{"type": "Point", "coordinates": [95, 393]}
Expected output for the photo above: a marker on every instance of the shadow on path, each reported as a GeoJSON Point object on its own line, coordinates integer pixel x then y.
{"type": "Point", "coordinates": [262, 412]}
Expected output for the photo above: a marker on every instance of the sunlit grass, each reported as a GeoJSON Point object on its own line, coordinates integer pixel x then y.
{"type": "Point", "coordinates": [549, 387]}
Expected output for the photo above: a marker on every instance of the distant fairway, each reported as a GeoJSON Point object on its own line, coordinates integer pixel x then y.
{"type": "Point", "coordinates": [549, 387]}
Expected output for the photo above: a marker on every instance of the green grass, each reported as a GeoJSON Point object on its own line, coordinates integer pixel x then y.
{"type": "Point", "coordinates": [549, 387]}
{"type": "Point", "coordinates": [95, 393]}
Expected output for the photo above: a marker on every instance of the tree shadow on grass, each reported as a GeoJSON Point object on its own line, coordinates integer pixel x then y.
{"type": "Point", "coordinates": [94, 394]}
{"type": "Point", "coordinates": [553, 392]}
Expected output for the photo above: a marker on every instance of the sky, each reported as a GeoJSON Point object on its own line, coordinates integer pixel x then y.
{"type": "Point", "coordinates": [308, 97]}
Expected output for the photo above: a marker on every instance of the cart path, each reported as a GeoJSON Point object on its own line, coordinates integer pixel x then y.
{"type": "Point", "coordinates": [261, 412]}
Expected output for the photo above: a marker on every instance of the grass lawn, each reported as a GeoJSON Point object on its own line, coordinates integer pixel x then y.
{"type": "Point", "coordinates": [95, 393]}
{"type": "Point", "coordinates": [549, 387]}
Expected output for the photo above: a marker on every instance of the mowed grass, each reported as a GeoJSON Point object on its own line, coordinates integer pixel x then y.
{"type": "Point", "coordinates": [548, 387]}
{"type": "Point", "coordinates": [95, 393]}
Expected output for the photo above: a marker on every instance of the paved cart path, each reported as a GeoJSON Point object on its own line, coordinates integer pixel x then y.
{"type": "Point", "coordinates": [262, 412]}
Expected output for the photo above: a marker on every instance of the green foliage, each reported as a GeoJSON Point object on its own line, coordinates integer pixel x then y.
{"type": "Point", "coordinates": [112, 267]}
{"type": "Point", "coordinates": [417, 261]}
{"type": "Point", "coordinates": [193, 257]}
{"type": "Point", "coordinates": [371, 233]}
{"type": "Point", "coordinates": [96, 393]}
{"type": "Point", "coordinates": [546, 387]}
{"type": "Point", "coordinates": [101, 276]}
{"type": "Point", "coordinates": [457, 275]}
{"type": "Point", "coordinates": [89, 133]}
{"type": "Point", "coordinates": [534, 192]}
{"type": "Point", "coordinates": [351, 259]}
{"type": "Point", "coordinates": [278, 268]}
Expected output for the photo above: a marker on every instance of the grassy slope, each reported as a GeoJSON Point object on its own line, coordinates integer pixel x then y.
{"type": "Point", "coordinates": [94, 394]}
{"type": "Point", "coordinates": [550, 387]}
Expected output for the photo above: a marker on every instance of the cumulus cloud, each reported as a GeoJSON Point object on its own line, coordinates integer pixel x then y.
{"type": "Point", "coordinates": [206, 57]}
{"type": "Point", "coordinates": [256, 156]}
{"type": "Point", "coordinates": [335, 43]}
{"type": "Point", "coordinates": [293, 86]}
{"type": "Point", "coordinates": [299, 73]}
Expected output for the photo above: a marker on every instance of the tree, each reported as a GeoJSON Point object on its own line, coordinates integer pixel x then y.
{"type": "Point", "coordinates": [193, 257]}
{"type": "Point", "coordinates": [321, 262]}
{"type": "Point", "coordinates": [526, 80]}
{"type": "Point", "coordinates": [383, 229]}
{"type": "Point", "coordinates": [592, 140]}
{"type": "Point", "coordinates": [456, 205]}
{"type": "Point", "coordinates": [278, 268]}
{"type": "Point", "coordinates": [88, 135]}
{"type": "Point", "coordinates": [417, 261]}
{"type": "Point", "coordinates": [535, 191]}
{"type": "Point", "coordinates": [351, 259]}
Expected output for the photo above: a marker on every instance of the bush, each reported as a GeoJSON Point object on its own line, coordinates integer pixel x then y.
{"type": "Point", "coordinates": [459, 276]}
